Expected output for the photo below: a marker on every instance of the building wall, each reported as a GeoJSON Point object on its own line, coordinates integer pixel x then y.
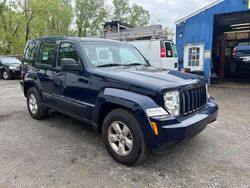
{"type": "Point", "coordinates": [199, 28]}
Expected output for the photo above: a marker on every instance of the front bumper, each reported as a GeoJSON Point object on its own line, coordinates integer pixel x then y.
{"type": "Point", "coordinates": [177, 130]}
{"type": "Point", "coordinates": [15, 73]}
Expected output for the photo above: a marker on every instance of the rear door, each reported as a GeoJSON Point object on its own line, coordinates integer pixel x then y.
{"type": "Point", "coordinates": [44, 70]}
{"type": "Point", "coordinates": [171, 59]}
{"type": "Point", "coordinates": [29, 57]}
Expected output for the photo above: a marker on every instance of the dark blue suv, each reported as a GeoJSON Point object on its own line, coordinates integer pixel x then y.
{"type": "Point", "coordinates": [139, 109]}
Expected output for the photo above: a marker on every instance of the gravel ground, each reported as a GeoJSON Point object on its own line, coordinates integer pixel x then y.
{"type": "Point", "coordinates": [62, 152]}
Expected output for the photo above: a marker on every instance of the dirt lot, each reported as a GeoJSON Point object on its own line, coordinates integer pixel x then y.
{"type": "Point", "coordinates": [62, 152]}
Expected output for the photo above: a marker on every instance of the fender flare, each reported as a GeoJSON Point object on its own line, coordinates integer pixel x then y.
{"type": "Point", "coordinates": [31, 82]}
{"type": "Point", "coordinates": [135, 102]}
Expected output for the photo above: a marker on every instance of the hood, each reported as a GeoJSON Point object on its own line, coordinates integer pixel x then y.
{"type": "Point", "coordinates": [13, 65]}
{"type": "Point", "coordinates": [149, 77]}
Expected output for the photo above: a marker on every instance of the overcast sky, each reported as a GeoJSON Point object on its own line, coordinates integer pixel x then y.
{"type": "Point", "coordinates": [166, 12]}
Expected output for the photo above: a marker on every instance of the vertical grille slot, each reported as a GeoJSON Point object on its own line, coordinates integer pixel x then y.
{"type": "Point", "coordinates": [193, 99]}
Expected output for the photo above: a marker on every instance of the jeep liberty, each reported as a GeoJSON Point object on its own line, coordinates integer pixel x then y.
{"type": "Point", "coordinates": [110, 85]}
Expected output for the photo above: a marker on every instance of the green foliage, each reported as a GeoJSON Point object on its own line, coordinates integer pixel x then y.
{"type": "Point", "coordinates": [135, 15]}
{"type": "Point", "coordinates": [11, 23]}
{"type": "Point", "coordinates": [21, 20]}
{"type": "Point", "coordinates": [89, 16]}
{"type": "Point", "coordinates": [47, 17]}
{"type": "Point", "coordinates": [121, 10]}
{"type": "Point", "coordinates": [139, 16]}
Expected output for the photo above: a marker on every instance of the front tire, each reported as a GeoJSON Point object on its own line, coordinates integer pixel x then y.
{"type": "Point", "coordinates": [35, 107]}
{"type": "Point", "coordinates": [6, 75]}
{"type": "Point", "coordinates": [124, 138]}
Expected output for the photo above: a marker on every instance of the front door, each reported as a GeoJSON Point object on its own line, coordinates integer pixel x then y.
{"type": "Point", "coordinates": [194, 57]}
{"type": "Point", "coordinates": [72, 87]}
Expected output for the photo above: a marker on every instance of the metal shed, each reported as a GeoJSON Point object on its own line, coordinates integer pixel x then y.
{"type": "Point", "coordinates": [206, 38]}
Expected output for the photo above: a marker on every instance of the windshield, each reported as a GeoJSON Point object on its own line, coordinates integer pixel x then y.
{"type": "Point", "coordinates": [102, 54]}
{"type": "Point", "coordinates": [10, 60]}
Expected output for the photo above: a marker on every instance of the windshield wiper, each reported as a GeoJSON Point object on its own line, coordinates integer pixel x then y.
{"type": "Point", "coordinates": [109, 65]}
{"type": "Point", "coordinates": [134, 64]}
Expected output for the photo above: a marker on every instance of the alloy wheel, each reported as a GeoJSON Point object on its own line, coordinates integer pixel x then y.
{"type": "Point", "coordinates": [5, 75]}
{"type": "Point", "coordinates": [120, 138]}
{"type": "Point", "coordinates": [33, 103]}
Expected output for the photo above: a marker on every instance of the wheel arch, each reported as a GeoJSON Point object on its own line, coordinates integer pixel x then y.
{"type": "Point", "coordinates": [27, 85]}
{"type": "Point", "coordinates": [110, 99]}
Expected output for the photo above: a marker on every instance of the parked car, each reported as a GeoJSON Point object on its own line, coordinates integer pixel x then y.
{"type": "Point", "coordinates": [161, 53]}
{"type": "Point", "coordinates": [9, 67]}
{"type": "Point", "coordinates": [241, 52]}
{"type": "Point", "coordinates": [138, 108]}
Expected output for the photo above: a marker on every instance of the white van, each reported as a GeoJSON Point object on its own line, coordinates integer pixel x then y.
{"type": "Point", "coordinates": [160, 53]}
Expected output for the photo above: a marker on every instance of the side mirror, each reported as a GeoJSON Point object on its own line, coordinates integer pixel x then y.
{"type": "Point", "coordinates": [69, 64]}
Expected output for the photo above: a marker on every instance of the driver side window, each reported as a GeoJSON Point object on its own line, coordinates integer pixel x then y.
{"type": "Point", "coordinates": [67, 50]}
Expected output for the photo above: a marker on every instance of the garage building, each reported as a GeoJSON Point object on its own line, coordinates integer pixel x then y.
{"type": "Point", "coordinates": [206, 39]}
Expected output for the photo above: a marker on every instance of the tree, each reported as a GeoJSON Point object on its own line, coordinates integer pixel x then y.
{"type": "Point", "coordinates": [58, 16]}
{"type": "Point", "coordinates": [89, 16]}
{"type": "Point", "coordinates": [121, 10]}
{"type": "Point", "coordinates": [169, 33]}
{"type": "Point", "coordinates": [10, 26]}
{"type": "Point", "coordinates": [21, 20]}
{"type": "Point", "coordinates": [135, 15]}
{"type": "Point", "coordinates": [138, 16]}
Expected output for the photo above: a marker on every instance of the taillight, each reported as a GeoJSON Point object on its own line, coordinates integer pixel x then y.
{"type": "Point", "coordinates": [234, 51]}
{"type": "Point", "coordinates": [163, 52]}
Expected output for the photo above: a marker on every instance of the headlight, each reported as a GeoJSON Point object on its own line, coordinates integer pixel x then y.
{"type": "Point", "coordinates": [172, 102]}
{"type": "Point", "coordinates": [13, 68]}
{"type": "Point", "coordinates": [208, 96]}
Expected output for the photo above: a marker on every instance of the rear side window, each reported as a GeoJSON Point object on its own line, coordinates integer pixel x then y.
{"type": "Point", "coordinates": [29, 54]}
{"type": "Point", "coordinates": [169, 51]}
{"type": "Point", "coordinates": [47, 53]}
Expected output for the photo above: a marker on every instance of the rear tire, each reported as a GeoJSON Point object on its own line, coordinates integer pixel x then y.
{"type": "Point", "coordinates": [124, 138]}
{"type": "Point", "coordinates": [6, 75]}
{"type": "Point", "coordinates": [34, 103]}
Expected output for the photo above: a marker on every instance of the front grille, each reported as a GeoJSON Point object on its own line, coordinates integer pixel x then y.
{"type": "Point", "coordinates": [193, 99]}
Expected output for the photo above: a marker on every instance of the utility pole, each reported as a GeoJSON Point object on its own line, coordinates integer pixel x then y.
{"type": "Point", "coordinates": [28, 14]}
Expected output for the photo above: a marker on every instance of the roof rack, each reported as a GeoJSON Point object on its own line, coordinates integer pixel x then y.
{"type": "Point", "coordinates": [125, 33]}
